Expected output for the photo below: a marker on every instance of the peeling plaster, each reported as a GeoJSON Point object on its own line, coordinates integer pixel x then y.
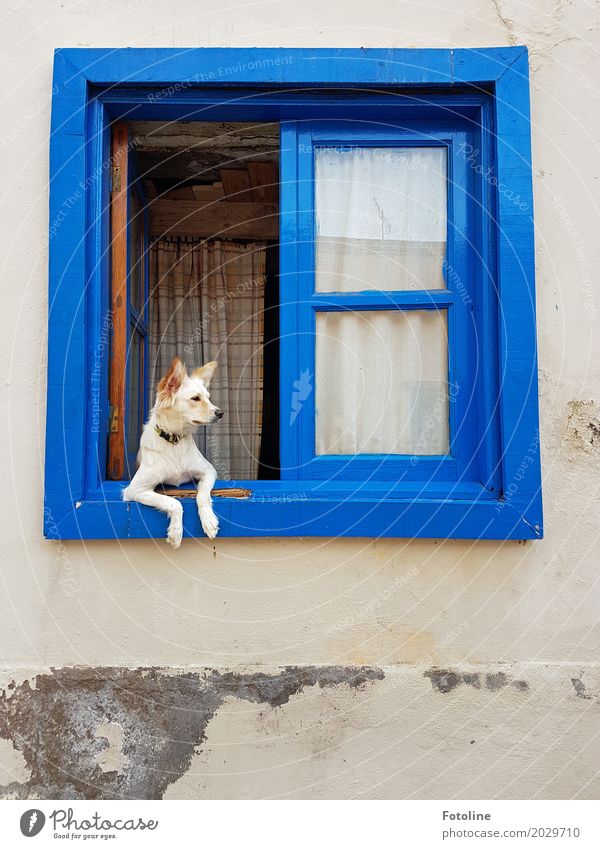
{"type": "Point", "coordinates": [112, 758]}
{"type": "Point", "coordinates": [583, 428]}
{"type": "Point", "coordinates": [110, 732]}
{"type": "Point", "coordinates": [13, 766]}
{"type": "Point", "coordinates": [10, 679]}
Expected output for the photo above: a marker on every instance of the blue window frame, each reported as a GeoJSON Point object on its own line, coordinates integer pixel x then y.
{"type": "Point", "coordinates": [473, 104]}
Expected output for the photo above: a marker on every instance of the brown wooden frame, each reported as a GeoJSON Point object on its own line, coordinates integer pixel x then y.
{"type": "Point", "coordinates": [118, 298]}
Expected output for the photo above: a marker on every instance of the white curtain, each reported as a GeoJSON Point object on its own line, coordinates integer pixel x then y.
{"type": "Point", "coordinates": [381, 218]}
{"type": "Point", "coordinates": [381, 375]}
{"type": "Point", "coordinates": [381, 382]}
{"type": "Point", "coordinates": [207, 304]}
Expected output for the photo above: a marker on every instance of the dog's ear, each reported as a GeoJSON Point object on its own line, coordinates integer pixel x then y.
{"type": "Point", "coordinates": [206, 372]}
{"type": "Point", "coordinates": [170, 383]}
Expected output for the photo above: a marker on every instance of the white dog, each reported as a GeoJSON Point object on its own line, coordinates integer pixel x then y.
{"type": "Point", "coordinates": [168, 453]}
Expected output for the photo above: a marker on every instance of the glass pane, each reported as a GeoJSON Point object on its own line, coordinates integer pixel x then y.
{"type": "Point", "coordinates": [380, 218]}
{"type": "Point", "coordinates": [136, 251]}
{"type": "Point", "coordinates": [135, 412]}
{"type": "Point", "coordinates": [382, 382]}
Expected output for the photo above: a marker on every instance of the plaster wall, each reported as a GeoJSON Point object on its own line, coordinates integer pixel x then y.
{"type": "Point", "coordinates": [399, 611]}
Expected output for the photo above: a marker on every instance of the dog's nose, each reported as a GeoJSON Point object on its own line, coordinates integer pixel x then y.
{"type": "Point", "coordinates": [219, 414]}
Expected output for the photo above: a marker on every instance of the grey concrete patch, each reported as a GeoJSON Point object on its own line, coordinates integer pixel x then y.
{"type": "Point", "coordinates": [579, 688]}
{"type": "Point", "coordinates": [443, 680]}
{"type": "Point", "coordinates": [446, 680]}
{"type": "Point", "coordinates": [66, 728]}
{"type": "Point", "coordinates": [496, 681]}
{"type": "Point", "coordinates": [277, 689]}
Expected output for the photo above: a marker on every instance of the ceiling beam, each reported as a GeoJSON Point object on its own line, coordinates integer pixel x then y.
{"type": "Point", "coordinates": [223, 219]}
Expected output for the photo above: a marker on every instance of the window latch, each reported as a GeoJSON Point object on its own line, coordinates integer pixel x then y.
{"type": "Point", "coordinates": [115, 177]}
{"type": "Point", "coordinates": [113, 419]}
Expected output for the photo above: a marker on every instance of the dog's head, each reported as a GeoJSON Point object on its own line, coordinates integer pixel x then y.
{"type": "Point", "coordinates": [187, 395]}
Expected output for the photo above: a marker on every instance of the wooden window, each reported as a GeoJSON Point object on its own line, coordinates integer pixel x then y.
{"type": "Point", "coordinates": [129, 308]}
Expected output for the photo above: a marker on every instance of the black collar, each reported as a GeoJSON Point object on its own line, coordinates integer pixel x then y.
{"type": "Point", "coordinates": [173, 438]}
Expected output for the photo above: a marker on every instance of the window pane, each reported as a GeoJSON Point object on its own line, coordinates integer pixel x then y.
{"type": "Point", "coordinates": [136, 251]}
{"type": "Point", "coordinates": [380, 218]}
{"type": "Point", "coordinates": [382, 382]}
{"type": "Point", "coordinates": [136, 364]}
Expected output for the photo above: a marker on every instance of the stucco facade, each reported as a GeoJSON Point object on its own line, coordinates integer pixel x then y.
{"type": "Point", "coordinates": [309, 668]}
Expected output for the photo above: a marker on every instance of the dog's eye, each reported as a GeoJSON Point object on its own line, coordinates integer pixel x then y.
{"type": "Point", "coordinates": [196, 398]}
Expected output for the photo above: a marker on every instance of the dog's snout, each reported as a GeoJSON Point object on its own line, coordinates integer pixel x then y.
{"type": "Point", "coordinates": [219, 414]}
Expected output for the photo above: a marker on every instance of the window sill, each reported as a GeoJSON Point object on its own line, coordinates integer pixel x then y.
{"type": "Point", "coordinates": [311, 509]}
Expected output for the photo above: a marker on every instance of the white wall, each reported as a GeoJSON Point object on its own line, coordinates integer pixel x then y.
{"type": "Point", "coordinates": [405, 606]}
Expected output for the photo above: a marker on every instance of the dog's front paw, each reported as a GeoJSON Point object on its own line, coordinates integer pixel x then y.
{"type": "Point", "coordinates": [210, 523]}
{"type": "Point", "coordinates": [175, 533]}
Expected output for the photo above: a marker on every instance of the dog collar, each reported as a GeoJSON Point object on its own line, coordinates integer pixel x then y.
{"type": "Point", "coordinates": [173, 438]}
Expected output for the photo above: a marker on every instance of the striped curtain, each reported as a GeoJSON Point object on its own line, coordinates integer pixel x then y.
{"type": "Point", "coordinates": [207, 300]}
